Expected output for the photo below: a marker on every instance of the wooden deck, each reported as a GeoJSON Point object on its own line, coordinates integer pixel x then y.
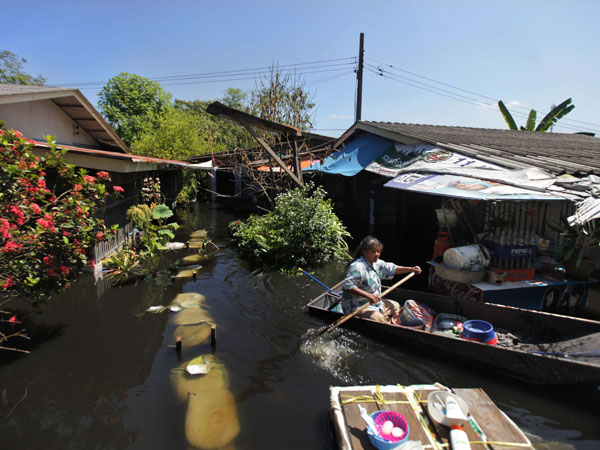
{"type": "Point", "coordinates": [498, 430]}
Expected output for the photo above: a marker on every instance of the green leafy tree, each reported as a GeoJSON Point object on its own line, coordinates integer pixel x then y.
{"type": "Point", "coordinates": [133, 105]}
{"type": "Point", "coordinates": [178, 135]}
{"type": "Point", "coordinates": [301, 230]}
{"type": "Point", "coordinates": [11, 70]}
{"type": "Point", "coordinates": [545, 124]}
{"type": "Point", "coordinates": [236, 98]}
{"type": "Point", "coordinates": [219, 135]}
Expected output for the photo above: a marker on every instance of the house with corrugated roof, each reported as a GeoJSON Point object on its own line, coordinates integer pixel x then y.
{"type": "Point", "coordinates": [91, 143]}
{"type": "Point", "coordinates": [401, 182]}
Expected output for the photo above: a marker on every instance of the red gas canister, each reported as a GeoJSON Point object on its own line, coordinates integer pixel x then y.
{"type": "Point", "coordinates": [442, 243]}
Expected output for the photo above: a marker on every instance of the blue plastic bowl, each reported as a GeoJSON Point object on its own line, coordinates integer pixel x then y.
{"type": "Point", "coordinates": [381, 443]}
{"type": "Point", "coordinates": [478, 329]}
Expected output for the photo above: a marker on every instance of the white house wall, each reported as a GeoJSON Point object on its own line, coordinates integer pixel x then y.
{"type": "Point", "coordinates": [26, 118]}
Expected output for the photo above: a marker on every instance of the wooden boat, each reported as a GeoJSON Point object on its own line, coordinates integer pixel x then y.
{"type": "Point", "coordinates": [543, 348]}
{"type": "Point", "coordinates": [486, 427]}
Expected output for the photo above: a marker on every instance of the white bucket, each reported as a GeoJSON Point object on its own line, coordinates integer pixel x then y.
{"type": "Point", "coordinates": [468, 257]}
{"type": "Point", "coordinates": [446, 217]}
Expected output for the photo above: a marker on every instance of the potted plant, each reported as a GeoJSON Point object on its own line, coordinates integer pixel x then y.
{"type": "Point", "coordinates": [578, 238]}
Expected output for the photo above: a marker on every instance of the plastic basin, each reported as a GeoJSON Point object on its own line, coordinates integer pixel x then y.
{"type": "Point", "coordinates": [479, 330]}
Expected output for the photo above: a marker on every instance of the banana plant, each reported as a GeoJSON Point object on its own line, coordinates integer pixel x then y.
{"type": "Point", "coordinates": [549, 119]}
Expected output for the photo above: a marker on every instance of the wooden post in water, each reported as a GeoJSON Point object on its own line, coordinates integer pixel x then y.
{"type": "Point", "coordinates": [178, 344]}
{"type": "Point", "coordinates": [213, 336]}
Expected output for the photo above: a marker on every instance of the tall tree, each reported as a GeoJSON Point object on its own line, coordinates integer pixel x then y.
{"type": "Point", "coordinates": [549, 119]}
{"type": "Point", "coordinates": [11, 70]}
{"type": "Point", "coordinates": [133, 105]}
{"type": "Point", "coordinates": [178, 136]}
{"type": "Point", "coordinates": [282, 97]}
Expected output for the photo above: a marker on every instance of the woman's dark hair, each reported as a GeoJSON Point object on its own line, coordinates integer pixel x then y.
{"type": "Point", "coordinates": [367, 243]}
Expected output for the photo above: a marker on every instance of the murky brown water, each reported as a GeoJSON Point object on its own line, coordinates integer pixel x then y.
{"type": "Point", "coordinates": [100, 377]}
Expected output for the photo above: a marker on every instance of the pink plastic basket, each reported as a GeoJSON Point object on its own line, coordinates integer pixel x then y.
{"type": "Point", "coordinates": [396, 418]}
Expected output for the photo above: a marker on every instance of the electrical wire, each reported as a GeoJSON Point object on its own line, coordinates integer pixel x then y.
{"type": "Point", "coordinates": [472, 93]}
{"type": "Point", "coordinates": [234, 73]}
{"type": "Point", "coordinates": [459, 97]}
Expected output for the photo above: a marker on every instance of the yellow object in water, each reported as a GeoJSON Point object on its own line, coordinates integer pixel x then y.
{"type": "Point", "coordinates": [184, 384]}
{"type": "Point", "coordinates": [196, 243]}
{"type": "Point", "coordinates": [192, 335]}
{"type": "Point", "coordinates": [211, 421]}
{"type": "Point", "coordinates": [198, 234]}
{"type": "Point", "coordinates": [190, 259]}
{"type": "Point", "coordinates": [188, 300]}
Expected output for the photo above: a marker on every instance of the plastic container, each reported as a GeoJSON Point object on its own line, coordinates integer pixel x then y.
{"type": "Point", "coordinates": [437, 408]}
{"type": "Point", "coordinates": [478, 330]}
{"type": "Point", "coordinates": [458, 438]}
{"type": "Point", "coordinates": [468, 257]}
{"type": "Point", "coordinates": [379, 417]}
{"type": "Point", "coordinates": [459, 276]}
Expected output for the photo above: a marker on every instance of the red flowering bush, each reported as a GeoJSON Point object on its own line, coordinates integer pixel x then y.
{"type": "Point", "coordinates": [44, 232]}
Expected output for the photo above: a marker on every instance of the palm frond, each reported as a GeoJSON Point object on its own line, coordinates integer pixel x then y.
{"type": "Point", "coordinates": [553, 116]}
{"type": "Point", "coordinates": [507, 116]}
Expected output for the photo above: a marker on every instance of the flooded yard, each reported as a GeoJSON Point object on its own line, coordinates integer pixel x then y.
{"type": "Point", "coordinates": [105, 374]}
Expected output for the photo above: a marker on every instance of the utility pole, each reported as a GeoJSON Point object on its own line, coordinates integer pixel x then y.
{"type": "Point", "coordinates": [359, 76]}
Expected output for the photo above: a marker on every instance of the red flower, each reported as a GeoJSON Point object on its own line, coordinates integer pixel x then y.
{"type": "Point", "coordinates": [100, 236]}
{"type": "Point", "coordinates": [46, 224]}
{"type": "Point", "coordinates": [41, 183]}
{"type": "Point", "coordinates": [8, 283]}
{"type": "Point", "coordinates": [64, 270]}
{"type": "Point", "coordinates": [89, 179]}
{"type": "Point", "coordinates": [4, 228]}
{"type": "Point", "coordinates": [19, 216]}
{"type": "Point", "coordinates": [47, 261]}
{"type": "Point", "coordinates": [76, 187]}
{"type": "Point", "coordinates": [35, 208]}
{"type": "Point", "coordinates": [102, 175]}
{"type": "Point", "coordinates": [12, 247]}
{"type": "Point", "coordinates": [118, 189]}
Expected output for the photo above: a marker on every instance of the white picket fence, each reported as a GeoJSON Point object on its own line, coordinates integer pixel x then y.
{"type": "Point", "coordinates": [107, 247]}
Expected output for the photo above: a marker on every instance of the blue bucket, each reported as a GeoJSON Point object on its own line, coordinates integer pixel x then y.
{"type": "Point", "coordinates": [479, 330]}
{"type": "Point", "coordinates": [398, 420]}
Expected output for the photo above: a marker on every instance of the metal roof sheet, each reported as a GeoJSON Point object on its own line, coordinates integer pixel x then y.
{"type": "Point", "coordinates": [558, 153]}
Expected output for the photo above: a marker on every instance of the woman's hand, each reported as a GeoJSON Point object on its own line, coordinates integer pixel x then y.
{"type": "Point", "coordinates": [402, 269]}
{"type": "Point", "coordinates": [373, 298]}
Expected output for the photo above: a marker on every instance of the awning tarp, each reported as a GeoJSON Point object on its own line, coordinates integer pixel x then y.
{"type": "Point", "coordinates": [464, 187]}
{"type": "Point", "coordinates": [354, 156]}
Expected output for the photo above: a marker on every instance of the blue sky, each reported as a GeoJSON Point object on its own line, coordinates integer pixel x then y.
{"type": "Point", "coordinates": [533, 53]}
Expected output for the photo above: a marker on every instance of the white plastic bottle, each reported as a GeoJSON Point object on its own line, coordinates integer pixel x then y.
{"type": "Point", "coordinates": [453, 410]}
{"type": "Point", "coordinates": [458, 438]}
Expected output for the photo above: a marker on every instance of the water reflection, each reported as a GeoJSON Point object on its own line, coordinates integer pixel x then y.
{"type": "Point", "coordinates": [101, 376]}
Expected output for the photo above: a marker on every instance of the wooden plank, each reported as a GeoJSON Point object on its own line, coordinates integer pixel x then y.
{"type": "Point", "coordinates": [355, 425]}
{"type": "Point", "coordinates": [268, 149]}
{"type": "Point", "coordinates": [417, 432]}
{"type": "Point", "coordinates": [491, 420]}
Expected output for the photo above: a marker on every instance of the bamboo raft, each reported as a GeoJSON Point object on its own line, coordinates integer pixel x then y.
{"type": "Point", "coordinates": [487, 426]}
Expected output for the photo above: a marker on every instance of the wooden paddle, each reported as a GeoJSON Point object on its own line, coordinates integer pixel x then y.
{"type": "Point", "coordinates": [357, 310]}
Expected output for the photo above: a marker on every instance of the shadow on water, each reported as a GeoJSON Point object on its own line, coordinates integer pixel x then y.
{"type": "Point", "coordinates": [99, 375]}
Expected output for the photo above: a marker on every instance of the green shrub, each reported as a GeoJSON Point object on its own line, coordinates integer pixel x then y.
{"type": "Point", "coordinates": [302, 230]}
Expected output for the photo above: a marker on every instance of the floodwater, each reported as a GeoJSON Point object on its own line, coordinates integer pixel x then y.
{"type": "Point", "coordinates": [101, 373]}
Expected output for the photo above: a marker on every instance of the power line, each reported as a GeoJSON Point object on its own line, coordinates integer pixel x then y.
{"type": "Point", "coordinates": [459, 97]}
{"type": "Point", "coordinates": [471, 92]}
{"type": "Point", "coordinates": [238, 72]}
